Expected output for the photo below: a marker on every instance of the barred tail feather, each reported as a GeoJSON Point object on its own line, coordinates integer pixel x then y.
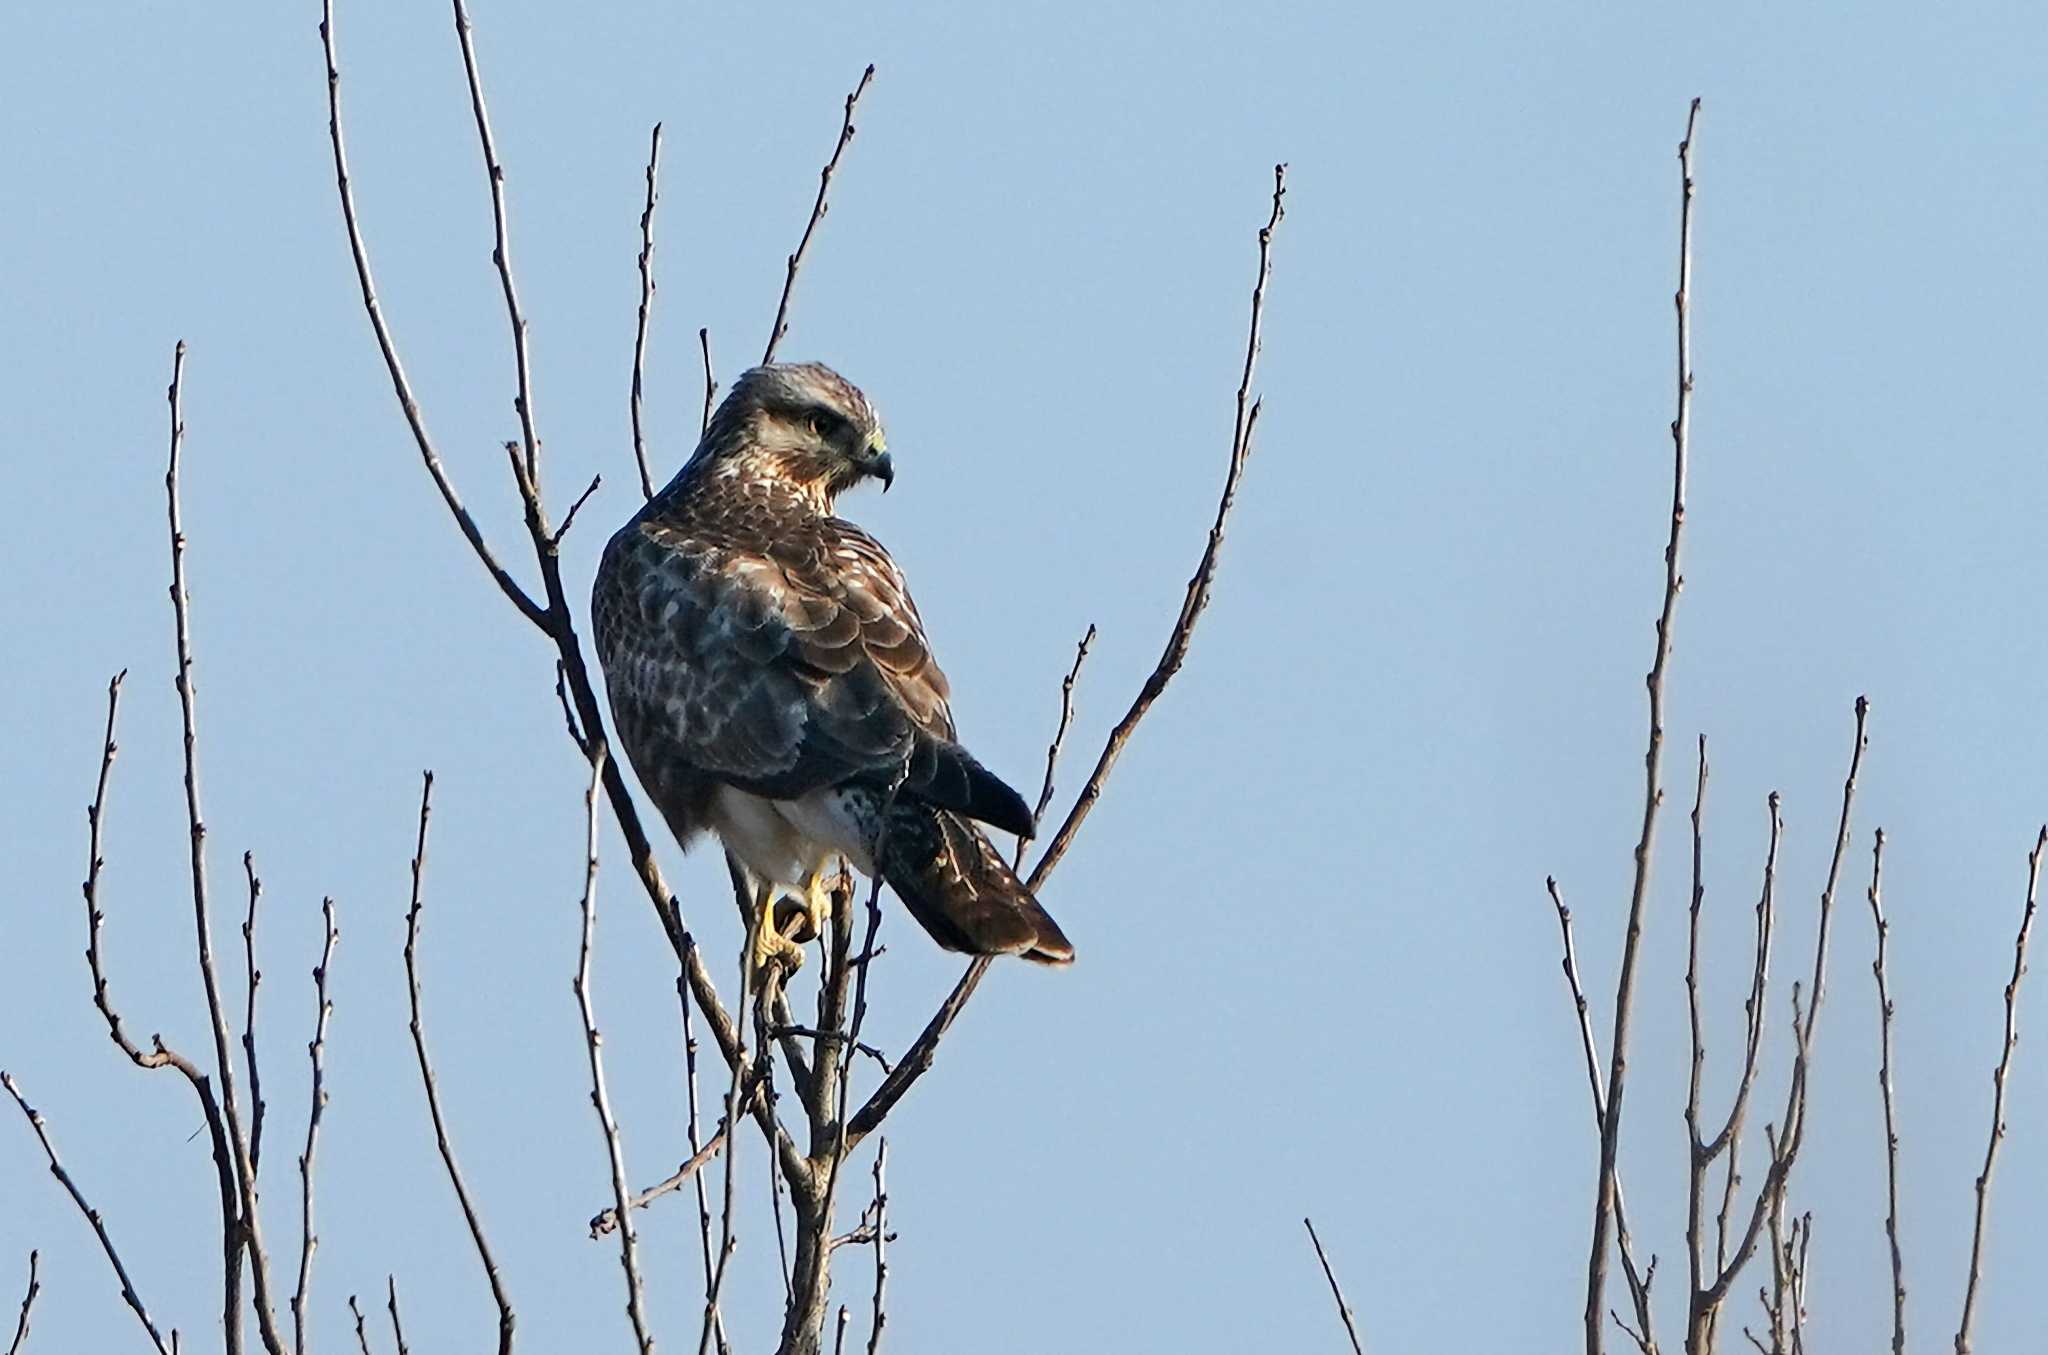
{"type": "Point", "coordinates": [953, 881]}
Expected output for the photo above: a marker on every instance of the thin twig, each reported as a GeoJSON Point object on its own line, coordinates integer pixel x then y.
{"type": "Point", "coordinates": [1698, 1162]}
{"type": "Point", "coordinates": [569, 518]}
{"type": "Point", "coordinates": [1703, 1315]}
{"type": "Point", "coordinates": [1336, 1290]}
{"type": "Point", "coordinates": [362, 1337]}
{"type": "Point", "coordinates": [557, 618]}
{"type": "Point", "coordinates": [1199, 585]}
{"type": "Point", "coordinates": [253, 977]}
{"type": "Point", "coordinates": [696, 1178]}
{"type": "Point", "coordinates": [162, 1055]}
{"type": "Point", "coordinates": [501, 247]}
{"type": "Point", "coordinates": [1792, 1133]}
{"type": "Point", "coordinates": [1052, 750]}
{"type": "Point", "coordinates": [600, 1100]}
{"type": "Point", "coordinates": [506, 1319]}
{"type": "Point", "coordinates": [397, 1328]}
{"type": "Point", "coordinates": [1884, 1086]}
{"type": "Point", "coordinates": [247, 1233]}
{"type": "Point", "coordinates": [818, 210]}
{"type": "Point", "coordinates": [1998, 1076]}
{"type": "Point", "coordinates": [758, 919]}
{"type": "Point", "coordinates": [1803, 1233]}
{"type": "Point", "coordinates": [1653, 791]}
{"type": "Point", "coordinates": [28, 1303]}
{"type": "Point", "coordinates": [1638, 1280]}
{"type": "Point", "coordinates": [646, 306]}
{"type": "Point", "coordinates": [92, 1215]}
{"type": "Point", "coordinates": [881, 1207]}
{"type": "Point", "coordinates": [834, 1037]}
{"type": "Point", "coordinates": [316, 1051]}
{"type": "Point", "coordinates": [415, 420]}
{"type": "Point", "coordinates": [924, 1050]}
{"type": "Point", "coordinates": [839, 1340]}
{"type": "Point", "coordinates": [603, 1223]}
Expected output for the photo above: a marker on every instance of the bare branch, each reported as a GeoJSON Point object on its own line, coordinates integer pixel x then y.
{"type": "Point", "coordinates": [1884, 1086]}
{"type": "Point", "coordinates": [604, 1222]}
{"type": "Point", "coordinates": [506, 1319]}
{"type": "Point", "coordinates": [1638, 1281]}
{"type": "Point", "coordinates": [253, 978]}
{"type": "Point", "coordinates": [1059, 737]}
{"type": "Point", "coordinates": [881, 1208]}
{"type": "Point", "coordinates": [646, 305]}
{"type": "Point", "coordinates": [247, 1231]}
{"type": "Point", "coordinates": [316, 1051]}
{"type": "Point", "coordinates": [362, 1337]}
{"type": "Point", "coordinates": [837, 1037]}
{"type": "Point", "coordinates": [557, 619]}
{"type": "Point", "coordinates": [415, 420]}
{"type": "Point", "coordinates": [1998, 1076]}
{"type": "Point", "coordinates": [761, 916]}
{"type": "Point", "coordinates": [569, 518]}
{"type": "Point", "coordinates": [839, 1340]}
{"type": "Point", "coordinates": [1197, 598]}
{"type": "Point", "coordinates": [1643, 1342]}
{"type": "Point", "coordinates": [162, 1056]}
{"type": "Point", "coordinates": [1785, 1145]}
{"type": "Point", "coordinates": [696, 1149]}
{"type": "Point", "coordinates": [918, 1058]}
{"type": "Point", "coordinates": [1704, 1301]}
{"type": "Point", "coordinates": [818, 210]}
{"type": "Point", "coordinates": [501, 249]}
{"type": "Point", "coordinates": [1653, 791]}
{"type": "Point", "coordinates": [1336, 1291]}
{"type": "Point", "coordinates": [1759, 980]}
{"type": "Point", "coordinates": [629, 1243]}
{"type": "Point", "coordinates": [28, 1303]}
{"type": "Point", "coordinates": [397, 1328]}
{"type": "Point", "coordinates": [924, 1050]}
{"type": "Point", "coordinates": [92, 1216]}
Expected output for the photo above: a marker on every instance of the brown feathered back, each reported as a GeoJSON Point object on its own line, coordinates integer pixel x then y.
{"type": "Point", "coordinates": [751, 639]}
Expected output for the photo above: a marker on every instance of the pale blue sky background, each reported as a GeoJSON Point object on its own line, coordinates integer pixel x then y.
{"type": "Point", "coordinates": [1318, 972]}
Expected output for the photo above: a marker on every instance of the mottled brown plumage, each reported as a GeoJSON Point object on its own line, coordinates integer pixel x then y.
{"type": "Point", "coordinates": [771, 682]}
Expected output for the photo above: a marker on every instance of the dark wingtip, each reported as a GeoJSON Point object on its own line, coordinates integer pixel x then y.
{"type": "Point", "coordinates": [1016, 815]}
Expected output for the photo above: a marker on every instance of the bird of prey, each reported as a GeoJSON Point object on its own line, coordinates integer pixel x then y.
{"type": "Point", "coordinates": [771, 683]}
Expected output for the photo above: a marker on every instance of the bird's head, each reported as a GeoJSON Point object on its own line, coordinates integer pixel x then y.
{"type": "Point", "coordinates": [803, 423]}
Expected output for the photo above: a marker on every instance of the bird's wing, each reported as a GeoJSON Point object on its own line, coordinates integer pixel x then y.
{"type": "Point", "coordinates": [785, 664]}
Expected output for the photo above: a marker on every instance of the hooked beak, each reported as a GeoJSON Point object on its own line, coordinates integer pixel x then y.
{"type": "Point", "coordinates": [883, 469]}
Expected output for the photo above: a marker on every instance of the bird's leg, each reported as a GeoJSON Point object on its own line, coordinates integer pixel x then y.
{"type": "Point", "coordinates": [818, 900]}
{"type": "Point", "coordinates": [769, 945]}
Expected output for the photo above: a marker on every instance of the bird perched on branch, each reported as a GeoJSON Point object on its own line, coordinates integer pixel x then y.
{"type": "Point", "coordinates": [771, 682]}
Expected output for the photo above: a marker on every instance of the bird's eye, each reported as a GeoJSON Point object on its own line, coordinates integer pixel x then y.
{"type": "Point", "coordinates": [822, 424]}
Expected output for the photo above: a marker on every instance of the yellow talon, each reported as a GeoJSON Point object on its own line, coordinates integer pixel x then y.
{"type": "Point", "coordinates": [818, 902]}
{"type": "Point", "coordinates": [771, 944]}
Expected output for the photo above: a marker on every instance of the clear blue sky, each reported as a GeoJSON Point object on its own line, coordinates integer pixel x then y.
{"type": "Point", "coordinates": [1318, 971]}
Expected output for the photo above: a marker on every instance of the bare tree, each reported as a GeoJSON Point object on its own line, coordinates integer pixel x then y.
{"type": "Point", "coordinates": [817, 1058]}
{"type": "Point", "coordinates": [1717, 1255]}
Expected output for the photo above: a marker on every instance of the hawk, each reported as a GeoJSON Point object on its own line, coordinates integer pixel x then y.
{"type": "Point", "coordinates": [771, 682]}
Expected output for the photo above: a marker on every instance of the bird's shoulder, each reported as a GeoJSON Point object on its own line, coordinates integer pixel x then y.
{"type": "Point", "coordinates": [811, 591]}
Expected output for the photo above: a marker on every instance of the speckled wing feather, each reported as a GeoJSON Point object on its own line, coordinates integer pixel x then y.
{"type": "Point", "coordinates": [781, 657]}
